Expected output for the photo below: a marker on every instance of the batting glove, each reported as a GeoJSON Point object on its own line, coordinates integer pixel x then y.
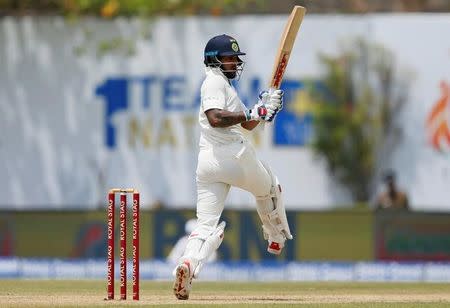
{"type": "Point", "coordinates": [257, 113]}
{"type": "Point", "coordinates": [273, 103]}
{"type": "Point", "coordinates": [275, 99]}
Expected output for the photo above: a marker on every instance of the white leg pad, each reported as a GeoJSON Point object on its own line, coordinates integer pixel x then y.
{"type": "Point", "coordinates": [199, 250]}
{"type": "Point", "coordinates": [211, 244]}
{"type": "Point", "coordinates": [278, 216]}
{"type": "Point", "coordinates": [270, 231]}
{"type": "Point", "coordinates": [272, 213]}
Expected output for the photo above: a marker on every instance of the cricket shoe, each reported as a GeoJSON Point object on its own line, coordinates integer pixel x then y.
{"type": "Point", "coordinates": [275, 248]}
{"type": "Point", "coordinates": [276, 242]}
{"type": "Point", "coordinates": [183, 281]}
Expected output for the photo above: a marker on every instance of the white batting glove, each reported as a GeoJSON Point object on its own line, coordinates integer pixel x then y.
{"type": "Point", "coordinates": [257, 113]}
{"type": "Point", "coordinates": [269, 104]}
{"type": "Point", "coordinates": [273, 101]}
{"type": "Point", "coordinates": [263, 97]}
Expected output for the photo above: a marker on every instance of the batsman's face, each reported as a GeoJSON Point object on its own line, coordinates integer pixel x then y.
{"type": "Point", "coordinates": [231, 65]}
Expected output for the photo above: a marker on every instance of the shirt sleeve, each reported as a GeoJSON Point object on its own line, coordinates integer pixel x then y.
{"type": "Point", "coordinates": [213, 95]}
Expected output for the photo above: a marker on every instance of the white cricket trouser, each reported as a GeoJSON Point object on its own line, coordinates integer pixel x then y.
{"type": "Point", "coordinates": [218, 169]}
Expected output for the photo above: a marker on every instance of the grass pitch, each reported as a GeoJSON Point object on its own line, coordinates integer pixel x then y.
{"type": "Point", "coordinates": [91, 293]}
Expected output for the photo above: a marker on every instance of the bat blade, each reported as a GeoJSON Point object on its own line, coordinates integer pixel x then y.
{"type": "Point", "coordinates": [286, 45]}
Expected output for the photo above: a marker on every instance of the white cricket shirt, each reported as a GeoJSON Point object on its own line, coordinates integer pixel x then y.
{"type": "Point", "coordinates": [218, 93]}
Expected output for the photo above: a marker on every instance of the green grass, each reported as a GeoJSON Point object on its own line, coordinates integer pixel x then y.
{"type": "Point", "coordinates": [88, 293]}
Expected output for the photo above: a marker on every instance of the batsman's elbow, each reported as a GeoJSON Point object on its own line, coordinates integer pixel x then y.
{"type": "Point", "coordinates": [215, 122]}
{"type": "Point", "coordinates": [214, 117]}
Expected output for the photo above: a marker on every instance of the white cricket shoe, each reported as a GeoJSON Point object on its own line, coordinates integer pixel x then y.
{"type": "Point", "coordinates": [183, 281]}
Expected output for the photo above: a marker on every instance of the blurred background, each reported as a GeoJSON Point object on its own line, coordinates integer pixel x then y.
{"type": "Point", "coordinates": [96, 94]}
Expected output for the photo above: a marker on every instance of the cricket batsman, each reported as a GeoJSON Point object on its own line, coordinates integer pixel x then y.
{"type": "Point", "coordinates": [226, 158]}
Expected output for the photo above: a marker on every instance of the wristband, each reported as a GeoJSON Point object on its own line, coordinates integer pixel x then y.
{"type": "Point", "coordinates": [248, 117]}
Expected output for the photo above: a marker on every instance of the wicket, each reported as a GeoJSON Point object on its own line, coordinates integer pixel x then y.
{"type": "Point", "coordinates": [123, 242]}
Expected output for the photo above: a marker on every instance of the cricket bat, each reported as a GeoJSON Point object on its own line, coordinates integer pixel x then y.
{"type": "Point", "coordinates": [286, 45]}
